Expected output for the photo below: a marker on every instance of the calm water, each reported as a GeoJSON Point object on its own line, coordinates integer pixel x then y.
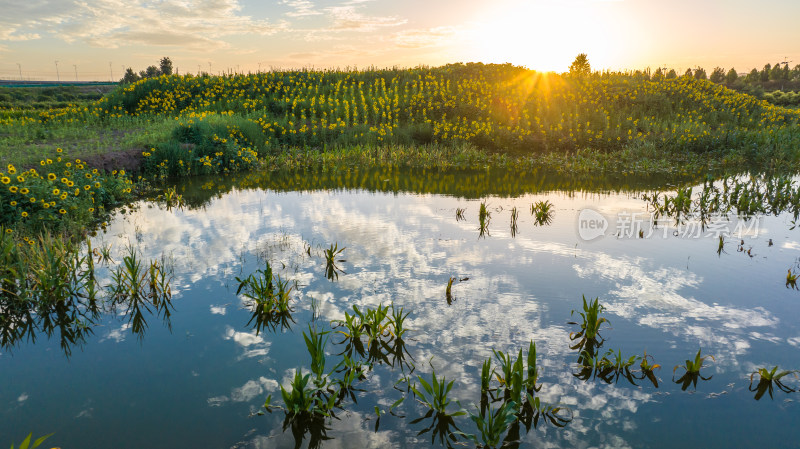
{"type": "Point", "coordinates": [199, 384]}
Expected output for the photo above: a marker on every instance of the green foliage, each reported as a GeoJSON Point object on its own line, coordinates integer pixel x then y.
{"type": "Point", "coordinates": [269, 296]}
{"type": "Point", "coordinates": [434, 394]}
{"type": "Point", "coordinates": [592, 321]}
{"type": "Point", "coordinates": [26, 443]}
{"type": "Point", "coordinates": [542, 212]}
{"type": "Point", "coordinates": [492, 424]}
{"type": "Point", "coordinates": [580, 66]}
{"type": "Point", "coordinates": [59, 194]}
{"type": "Point", "coordinates": [768, 380]}
{"type": "Point", "coordinates": [331, 269]}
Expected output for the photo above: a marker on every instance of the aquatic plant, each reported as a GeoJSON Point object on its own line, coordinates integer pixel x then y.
{"type": "Point", "coordinates": [692, 371]}
{"type": "Point", "coordinates": [331, 269]}
{"type": "Point", "coordinates": [434, 394]}
{"type": "Point", "coordinates": [768, 379]}
{"type": "Point", "coordinates": [514, 216]}
{"type": "Point", "coordinates": [142, 289]}
{"type": "Point", "coordinates": [448, 293]}
{"type": "Point", "coordinates": [542, 212]}
{"type": "Point", "coordinates": [492, 424]}
{"type": "Point", "coordinates": [592, 321]}
{"type": "Point", "coordinates": [26, 443]}
{"type": "Point", "coordinates": [171, 199]}
{"type": "Point", "coordinates": [791, 279]}
{"type": "Point", "coordinates": [269, 297]}
{"type": "Point", "coordinates": [460, 213]}
{"type": "Point", "coordinates": [484, 217]}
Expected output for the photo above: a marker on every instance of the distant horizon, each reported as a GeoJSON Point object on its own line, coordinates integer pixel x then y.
{"type": "Point", "coordinates": [97, 39]}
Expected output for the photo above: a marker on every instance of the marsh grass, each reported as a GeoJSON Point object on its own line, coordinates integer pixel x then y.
{"type": "Point", "coordinates": [542, 212]}
{"type": "Point", "coordinates": [331, 269]}
{"type": "Point", "coordinates": [484, 217]}
{"type": "Point", "coordinates": [269, 298]}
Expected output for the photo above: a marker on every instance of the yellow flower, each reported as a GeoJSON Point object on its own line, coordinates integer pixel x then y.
{"type": "Point", "coordinates": [5, 180]}
{"type": "Point", "coordinates": [9, 230]}
{"type": "Point", "coordinates": [46, 205]}
{"type": "Point", "coordinates": [97, 185]}
{"type": "Point", "coordinates": [11, 169]}
{"type": "Point", "coordinates": [87, 187]}
{"type": "Point", "coordinates": [13, 189]}
{"type": "Point", "coordinates": [91, 209]}
{"type": "Point", "coordinates": [20, 178]}
{"type": "Point", "coordinates": [53, 203]}
{"type": "Point", "coordinates": [24, 214]}
{"type": "Point", "coordinates": [59, 150]}
{"type": "Point", "coordinates": [56, 192]}
{"type": "Point", "coordinates": [13, 203]}
{"type": "Point", "coordinates": [24, 190]}
{"type": "Point", "coordinates": [51, 176]}
{"type": "Point", "coordinates": [64, 196]}
{"type": "Point", "coordinates": [62, 211]}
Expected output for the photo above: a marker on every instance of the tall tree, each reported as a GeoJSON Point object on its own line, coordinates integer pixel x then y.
{"type": "Point", "coordinates": [732, 76]}
{"type": "Point", "coordinates": [717, 75]}
{"type": "Point", "coordinates": [165, 66]}
{"type": "Point", "coordinates": [764, 74]}
{"type": "Point", "coordinates": [671, 75]}
{"type": "Point", "coordinates": [580, 66]}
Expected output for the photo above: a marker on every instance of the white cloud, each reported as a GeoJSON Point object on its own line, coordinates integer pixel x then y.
{"type": "Point", "coordinates": [113, 23]}
{"type": "Point", "coordinates": [301, 8]}
{"type": "Point", "coordinates": [419, 38]}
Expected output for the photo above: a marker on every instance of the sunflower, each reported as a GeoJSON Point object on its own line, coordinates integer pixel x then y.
{"type": "Point", "coordinates": [5, 180]}
{"type": "Point", "coordinates": [51, 176]}
{"type": "Point", "coordinates": [13, 189]}
{"type": "Point", "coordinates": [24, 214]}
{"type": "Point", "coordinates": [24, 191]}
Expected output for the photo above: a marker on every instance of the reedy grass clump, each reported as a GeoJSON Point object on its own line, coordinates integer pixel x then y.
{"type": "Point", "coordinates": [542, 212]}
{"type": "Point", "coordinates": [269, 298]}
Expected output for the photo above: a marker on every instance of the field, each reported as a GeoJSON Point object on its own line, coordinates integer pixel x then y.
{"type": "Point", "coordinates": [379, 219]}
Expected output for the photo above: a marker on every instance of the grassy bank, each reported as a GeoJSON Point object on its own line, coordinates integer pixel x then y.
{"type": "Point", "coordinates": [455, 116]}
{"type": "Point", "coordinates": [613, 118]}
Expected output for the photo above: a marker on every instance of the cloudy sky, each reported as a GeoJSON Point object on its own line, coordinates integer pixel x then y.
{"type": "Point", "coordinates": [96, 38]}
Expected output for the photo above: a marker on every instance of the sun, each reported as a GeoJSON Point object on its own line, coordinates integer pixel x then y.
{"type": "Point", "coordinates": [543, 35]}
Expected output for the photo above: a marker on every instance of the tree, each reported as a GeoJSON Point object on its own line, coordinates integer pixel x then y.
{"type": "Point", "coordinates": [776, 73]}
{"type": "Point", "coordinates": [700, 74]}
{"type": "Point", "coordinates": [764, 74]}
{"type": "Point", "coordinates": [580, 66]}
{"type": "Point", "coordinates": [688, 73]}
{"type": "Point", "coordinates": [151, 72]}
{"type": "Point", "coordinates": [671, 75]}
{"type": "Point", "coordinates": [753, 77]}
{"type": "Point", "coordinates": [130, 76]}
{"type": "Point", "coordinates": [732, 76]}
{"type": "Point", "coordinates": [717, 75]}
{"type": "Point", "coordinates": [165, 66]}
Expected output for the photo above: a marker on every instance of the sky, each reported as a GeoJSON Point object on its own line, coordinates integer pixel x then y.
{"type": "Point", "coordinates": [96, 39]}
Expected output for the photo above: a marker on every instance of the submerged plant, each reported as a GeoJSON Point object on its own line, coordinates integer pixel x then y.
{"type": "Point", "coordinates": [768, 379]}
{"type": "Point", "coordinates": [460, 214]}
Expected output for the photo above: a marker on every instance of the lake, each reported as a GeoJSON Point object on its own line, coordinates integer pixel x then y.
{"type": "Point", "coordinates": [200, 377]}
